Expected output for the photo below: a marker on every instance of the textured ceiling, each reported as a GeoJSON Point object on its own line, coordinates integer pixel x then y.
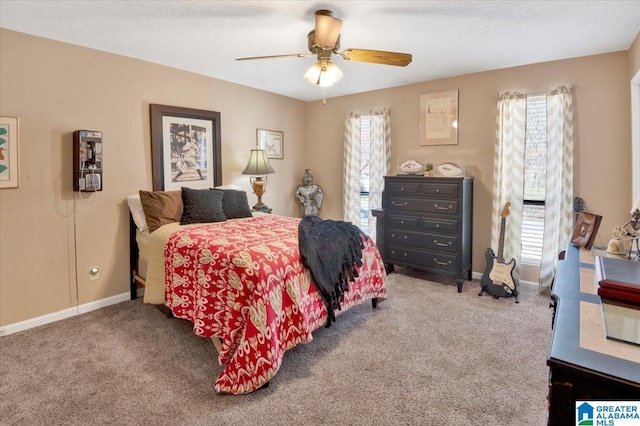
{"type": "Point", "coordinates": [446, 38]}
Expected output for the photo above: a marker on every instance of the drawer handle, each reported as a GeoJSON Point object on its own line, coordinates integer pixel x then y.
{"type": "Point", "coordinates": [443, 208]}
{"type": "Point", "coordinates": [442, 263]}
{"type": "Point", "coordinates": [438, 191]}
{"type": "Point", "coordinates": [396, 204]}
{"type": "Point", "coordinates": [437, 225]}
{"type": "Point", "coordinates": [442, 244]}
{"type": "Point", "coordinates": [402, 222]}
{"type": "Point", "coordinates": [405, 237]}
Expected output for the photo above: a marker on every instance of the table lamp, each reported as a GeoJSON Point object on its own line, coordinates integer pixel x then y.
{"type": "Point", "coordinates": [258, 166]}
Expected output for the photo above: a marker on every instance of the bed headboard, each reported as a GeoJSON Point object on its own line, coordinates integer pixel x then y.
{"type": "Point", "coordinates": [170, 126]}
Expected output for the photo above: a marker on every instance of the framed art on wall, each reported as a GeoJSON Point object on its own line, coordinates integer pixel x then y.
{"type": "Point", "coordinates": [9, 152]}
{"type": "Point", "coordinates": [439, 118]}
{"type": "Point", "coordinates": [185, 143]}
{"type": "Point", "coordinates": [271, 141]}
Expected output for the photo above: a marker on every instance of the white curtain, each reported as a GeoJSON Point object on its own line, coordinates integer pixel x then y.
{"type": "Point", "coordinates": [351, 175]}
{"type": "Point", "coordinates": [379, 164]}
{"type": "Point", "coordinates": [558, 220]}
{"type": "Point", "coordinates": [508, 177]}
{"type": "Point", "coordinates": [508, 174]}
{"type": "Point", "coordinates": [379, 161]}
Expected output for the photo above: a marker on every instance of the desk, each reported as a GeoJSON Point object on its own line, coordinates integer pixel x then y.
{"type": "Point", "coordinates": [583, 363]}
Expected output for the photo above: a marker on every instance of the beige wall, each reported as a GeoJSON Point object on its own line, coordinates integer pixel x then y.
{"type": "Point", "coordinates": [602, 134]}
{"type": "Point", "coordinates": [634, 56]}
{"type": "Point", "coordinates": [50, 238]}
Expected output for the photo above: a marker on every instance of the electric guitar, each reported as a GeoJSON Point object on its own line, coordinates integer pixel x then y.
{"type": "Point", "coordinates": [497, 279]}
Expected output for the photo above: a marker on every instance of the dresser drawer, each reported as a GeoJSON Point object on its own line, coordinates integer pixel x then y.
{"type": "Point", "coordinates": [424, 205]}
{"type": "Point", "coordinates": [411, 256]}
{"type": "Point", "coordinates": [398, 221]}
{"type": "Point", "coordinates": [440, 190]}
{"type": "Point", "coordinates": [402, 187]}
{"type": "Point", "coordinates": [440, 225]}
{"type": "Point", "coordinates": [445, 243]}
{"type": "Point", "coordinates": [424, 223]}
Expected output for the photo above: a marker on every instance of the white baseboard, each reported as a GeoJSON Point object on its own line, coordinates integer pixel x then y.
{"type": "Point", "coordinates": [60, 315]}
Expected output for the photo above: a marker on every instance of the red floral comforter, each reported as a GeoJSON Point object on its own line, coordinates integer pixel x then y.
{"type": "Point", "coordinates": [242, 281]}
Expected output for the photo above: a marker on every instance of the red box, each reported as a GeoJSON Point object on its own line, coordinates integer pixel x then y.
{"type": "Point", "coordinates": [618, 279]}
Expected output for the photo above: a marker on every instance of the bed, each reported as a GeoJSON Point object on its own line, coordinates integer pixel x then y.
{"type": "Point", "coordinates": [238, 280]}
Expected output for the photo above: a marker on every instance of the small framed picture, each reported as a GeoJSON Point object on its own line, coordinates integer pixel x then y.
{"type": "Point", "coordinates": [439, 118]}
{"type": "Point", "coordinates": [271, 141]}
{"type": "Point", "coordinates": [9, 152]}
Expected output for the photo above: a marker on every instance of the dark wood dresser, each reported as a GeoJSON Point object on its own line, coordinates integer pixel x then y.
{"type": "Point", "coordinates": [583, 363]}
{"type": "Point", "coordinates": [426, 224]}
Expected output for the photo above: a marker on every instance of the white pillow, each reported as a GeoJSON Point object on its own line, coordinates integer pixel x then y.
{"type": "Point", "coordinates": [137, 212]}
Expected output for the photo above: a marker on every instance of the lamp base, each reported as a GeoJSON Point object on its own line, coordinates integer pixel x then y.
{"type": "Point", "coordinates": [259, 185]}
{"type": "Point", "coordinates": [260, 208]}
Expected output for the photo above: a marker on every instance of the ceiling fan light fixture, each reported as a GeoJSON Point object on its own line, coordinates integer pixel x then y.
{"type": "Point", "coordinates": [331, 74]}
{"type": "Point", "coordinates": [324, 74]}
{"type": "Point", "coordinates": [313, 74]}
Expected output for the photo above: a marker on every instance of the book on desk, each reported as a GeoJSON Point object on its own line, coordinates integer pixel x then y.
{"type": "Point", "coordinates": [618, 279]}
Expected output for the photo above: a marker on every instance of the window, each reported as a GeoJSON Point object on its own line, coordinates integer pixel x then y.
{"type": "Point", "coordinates": [535, 166]}
{"type": "Point", "coordinates": [365, 154]}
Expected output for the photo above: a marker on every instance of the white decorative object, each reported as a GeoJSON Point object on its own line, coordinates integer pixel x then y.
{"type": "Point", "coordinates": [450, 169]}
{"type": "Point", "coordinates": [411, 167]}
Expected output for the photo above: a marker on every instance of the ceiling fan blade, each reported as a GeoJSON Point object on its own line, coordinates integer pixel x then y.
{"type": "Point", "coordinates": [377, 57]}
{"type": "Point", "coordinates": [327, 29]}
{"type": "Point", "coordinates": [296, 55]}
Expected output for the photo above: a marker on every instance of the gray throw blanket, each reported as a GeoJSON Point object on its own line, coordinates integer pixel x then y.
{"type": "Point", "coordinates": [331, 250]}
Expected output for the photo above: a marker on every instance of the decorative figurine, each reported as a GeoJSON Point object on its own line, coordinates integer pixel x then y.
{"type": "Point", "coordinates": [631, 230]}
{"type": "Point", "coordinates": [616, 246]}
{"type": "Point", "coordinates": [309, 196]}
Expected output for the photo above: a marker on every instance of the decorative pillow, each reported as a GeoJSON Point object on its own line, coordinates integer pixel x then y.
{"type": "Point", "coordinates": [161, 207]}
{"type": "Point", "coordinates": [137, 212]}
{"type": "Point", "coordinates": [201, 206]}
{"type": "Point", "coordinates": [234, 203]}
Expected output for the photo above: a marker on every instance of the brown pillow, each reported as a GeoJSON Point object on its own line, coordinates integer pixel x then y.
{"type": "Point", "coordinates": [161, 207]}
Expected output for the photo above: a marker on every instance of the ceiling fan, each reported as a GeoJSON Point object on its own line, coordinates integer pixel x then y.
{"type": "Point", "coordinates": [324, 40]}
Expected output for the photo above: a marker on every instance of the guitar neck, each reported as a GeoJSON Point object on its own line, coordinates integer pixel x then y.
{"type": "Point", "coordinates": [500, 257]}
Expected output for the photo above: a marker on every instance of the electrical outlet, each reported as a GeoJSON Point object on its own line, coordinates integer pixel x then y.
{"type": "Point", "coordinates": [94, 273]}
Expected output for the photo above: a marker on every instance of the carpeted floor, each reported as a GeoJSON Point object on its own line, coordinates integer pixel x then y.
{"type": "Point", "coordinates": [426, 356]}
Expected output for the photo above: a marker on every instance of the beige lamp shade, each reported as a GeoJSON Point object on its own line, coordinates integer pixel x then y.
{"type": "Point", "coordinates": [258, 163]}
